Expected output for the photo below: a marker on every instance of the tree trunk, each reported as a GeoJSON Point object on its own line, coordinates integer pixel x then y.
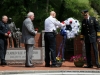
{"type": "Point", "coordinates": [47, 7]}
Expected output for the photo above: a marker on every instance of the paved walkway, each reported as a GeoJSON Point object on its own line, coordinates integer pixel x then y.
{"type": "Point", "coordinates": [66, 67]}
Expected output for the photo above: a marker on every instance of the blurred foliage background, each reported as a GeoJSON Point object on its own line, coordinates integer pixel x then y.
{"type": "Point", "coordinates": [17, 9]}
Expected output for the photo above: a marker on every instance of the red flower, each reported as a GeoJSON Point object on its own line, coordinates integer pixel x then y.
{"type": "Point", "coordinates": [78, 58]}
{"type": "Point", "coordinates": [8, 32]}
{"type": "Point", "coordinates": [70, 21]}
{"type": "Point", "coordinates": [63, 22]}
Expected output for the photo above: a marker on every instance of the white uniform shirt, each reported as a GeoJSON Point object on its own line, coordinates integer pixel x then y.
{"type": "Point", "coordinates": [52, 24]}
{"type": "Point", "coordinates": [88, 18]}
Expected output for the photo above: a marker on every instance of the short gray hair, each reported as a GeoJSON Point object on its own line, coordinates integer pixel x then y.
{"type": "Point", "coordinates": [30, 14]}
{"type": "Point", "coordinates": [4, 16]}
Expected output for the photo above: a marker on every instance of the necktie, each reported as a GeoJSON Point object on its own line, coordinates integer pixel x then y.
{"type": "Point", "coordinates": [86, 21]}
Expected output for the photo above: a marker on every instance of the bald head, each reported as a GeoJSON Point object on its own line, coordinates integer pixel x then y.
{"type": "Point", "coordinates": [4, 19]}
{"type": "Point", "coordinates": [53, 14]}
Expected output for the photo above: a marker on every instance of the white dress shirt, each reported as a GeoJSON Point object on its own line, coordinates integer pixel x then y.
{"type": "Point", "coordinates": [52, 24]}
{"type": "Point", "coordinates": [88, 18]}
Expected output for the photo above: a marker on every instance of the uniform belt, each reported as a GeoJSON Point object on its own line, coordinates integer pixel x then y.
{"type": "Point", "coordinates": [48, 32]}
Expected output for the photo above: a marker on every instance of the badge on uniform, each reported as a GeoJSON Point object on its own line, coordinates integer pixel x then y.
{"type": "Point", "coordinates": [96, 20]}
{"type": "Point", "coordinates": [91, 21]}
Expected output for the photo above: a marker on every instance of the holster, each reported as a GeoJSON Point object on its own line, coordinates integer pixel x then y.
{"type": "Point", "coordinates": [55, 32]}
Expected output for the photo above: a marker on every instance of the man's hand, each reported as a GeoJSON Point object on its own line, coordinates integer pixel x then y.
{"type": "Point", "coordinates": [9, 35]}
{"type": "Point", "coordinates": [82, 42]}
{"type": "Point", "coordinates": [6, 34]}
{"type": "Point", "coordinates": [63, 23]}
{"type": "Point", "coordinates": [35, 32]}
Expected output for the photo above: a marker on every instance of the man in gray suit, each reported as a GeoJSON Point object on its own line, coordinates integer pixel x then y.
{"type": "Point", "coordinates": [28, 34]}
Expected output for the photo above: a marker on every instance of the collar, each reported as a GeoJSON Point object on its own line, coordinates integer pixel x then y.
{"type": "Point", "coordinates": [88, 17]}
{"type": "Point", "coordinates": [51, 16]}
{"type": "Point", "coordinates": [29, 19]}
{"type": "Point", "coordinates": [3, 22]}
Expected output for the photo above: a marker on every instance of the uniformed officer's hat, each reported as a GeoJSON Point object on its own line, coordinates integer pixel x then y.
{"type": "Point", "coordinates": [84, 12]}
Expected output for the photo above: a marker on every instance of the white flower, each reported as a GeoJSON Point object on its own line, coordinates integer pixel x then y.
{"type": "Point", "coordinates": [75, 27]}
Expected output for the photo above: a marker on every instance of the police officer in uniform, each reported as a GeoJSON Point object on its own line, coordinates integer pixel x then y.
{"type": "Point", "coordinates": [51, 23]}
{"type": "Point", "coordinates": [90, 33]}
{"type": "Point", "coordinates": [3, 39]}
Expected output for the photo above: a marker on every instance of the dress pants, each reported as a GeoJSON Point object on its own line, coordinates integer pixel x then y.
{"type": "Point", "coordinates": [29, 53]}
{"type": "Point", "coordinates": [3, 49]}
{"type": "Point", "coordinates": [88, 53]}
{"type": "Point", "coordinates": [50, 46]}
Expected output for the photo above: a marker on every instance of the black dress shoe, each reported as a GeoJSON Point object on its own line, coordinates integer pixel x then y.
{"type": "Point", "coordinates": [54, 65]}
{"type": "Point", "coordinates": [3, 63]}
{"type": "Point", "coordinates": [88, 66]}
{"type": "Point", "coordinates": [47, 65]}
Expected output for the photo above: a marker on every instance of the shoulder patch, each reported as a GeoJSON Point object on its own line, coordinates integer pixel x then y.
{"type": "Point", "coordinates": [96, 19]}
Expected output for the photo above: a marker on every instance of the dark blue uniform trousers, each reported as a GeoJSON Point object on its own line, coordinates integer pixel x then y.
{"type": "Point", "coordinates": [50, 46]}
{"type": "Point", "coordinates": [3, 48]}
{"type": "Point", "coordinates": [88, 53]}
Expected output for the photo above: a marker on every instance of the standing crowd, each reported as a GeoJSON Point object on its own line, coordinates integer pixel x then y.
{"type": "Point", "coordinates": [90, 35]}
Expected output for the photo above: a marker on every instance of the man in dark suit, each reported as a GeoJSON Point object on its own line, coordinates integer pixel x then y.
{"type": "Point", "coordinates": [90, 33]}
{"type": "Point", "coordinates": [3, 39]}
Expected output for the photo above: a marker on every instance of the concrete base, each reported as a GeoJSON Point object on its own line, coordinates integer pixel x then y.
{"type": "Point", "coordinates": [17, 56]}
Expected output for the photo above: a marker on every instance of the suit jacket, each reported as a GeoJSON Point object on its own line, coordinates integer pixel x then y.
{"type": "Point", "coordinates": [4, 28]}
{"type": "Point", "coordinates": [28, 32]}
{"type": "Point", "coordinates": [90, 30]}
